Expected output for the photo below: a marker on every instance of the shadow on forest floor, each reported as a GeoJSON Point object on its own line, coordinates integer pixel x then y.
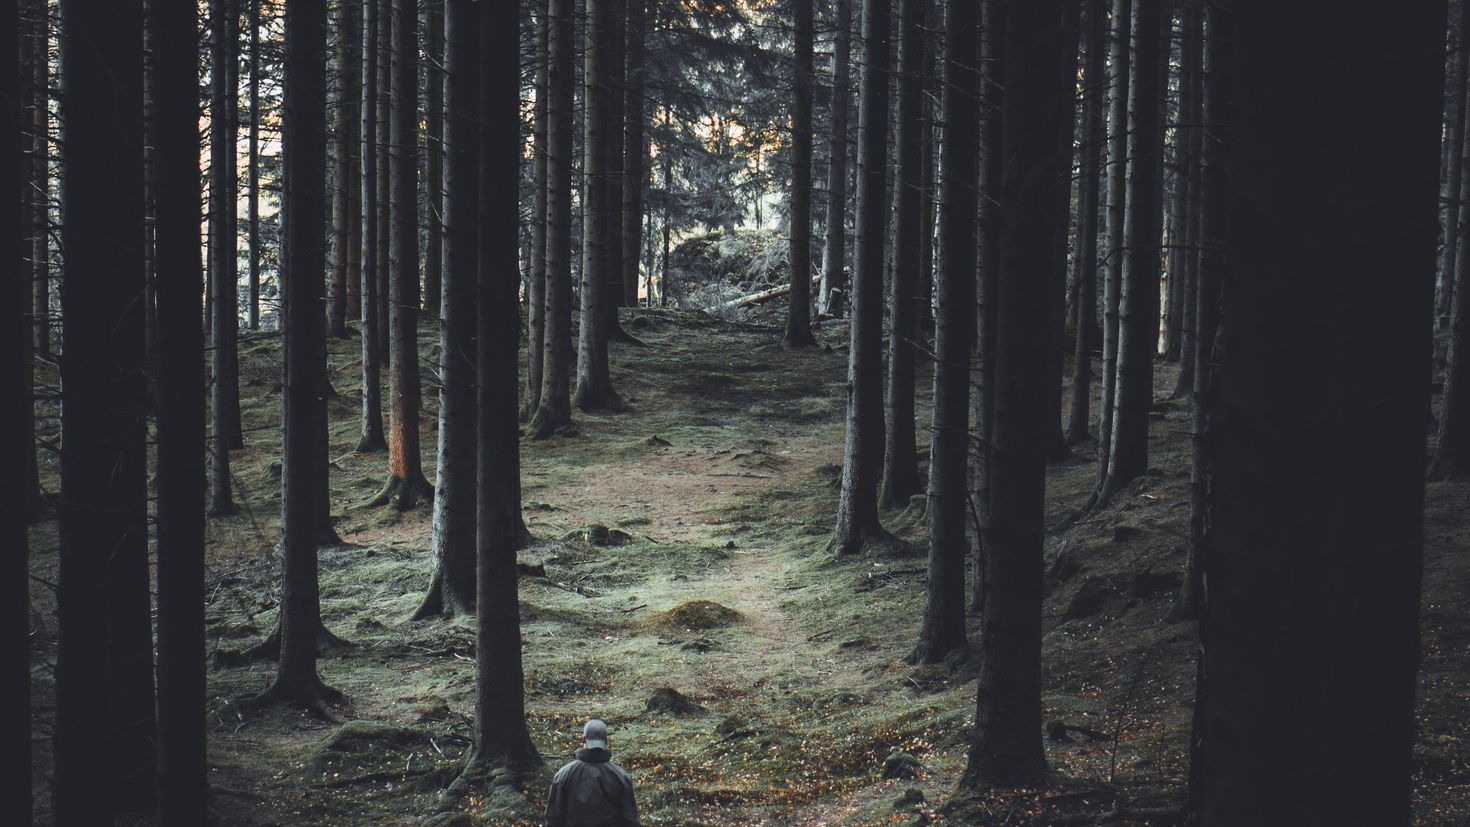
{"type": "Point", "coordinates": [748, 678]}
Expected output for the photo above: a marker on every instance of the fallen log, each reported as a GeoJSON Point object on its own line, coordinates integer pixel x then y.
{"type": "Point", "coordinates": [755, 298]}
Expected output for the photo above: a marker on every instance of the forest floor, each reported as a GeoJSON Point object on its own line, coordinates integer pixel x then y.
{"type": "Point", "coordinates": [717, 489]}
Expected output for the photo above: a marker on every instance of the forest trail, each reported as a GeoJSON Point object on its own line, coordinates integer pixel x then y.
{"type": "Point", "coordinates": [717, 488]}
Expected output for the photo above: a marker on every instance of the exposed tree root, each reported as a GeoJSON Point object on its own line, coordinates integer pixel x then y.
{"type": "Point", "coordinates": [402, 494]}
{"type": "Point", "coordinates": [440, 603]}
{"type": "Point", "coordinates": [224, 509]}
{"type": "Point", "coordinates": [371, 444]}
{"type": "Point", "coordinates": [270, 648]}
{"type": "Point", "coordinates": [310, 695]}
{"type": "Point", "coordinates": [547, 421]}
{"type": "Point", "coordinates": [874, 541]}
{"type": "Point", "coordinates": [604, 399]}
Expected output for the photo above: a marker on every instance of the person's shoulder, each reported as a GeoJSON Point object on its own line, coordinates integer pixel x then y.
{"type": "Point", "coordinates": [617, 769]}
{"type": "Point", "coordinates": [566, 769]}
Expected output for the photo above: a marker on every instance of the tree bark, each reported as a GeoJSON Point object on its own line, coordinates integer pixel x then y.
{"type": "Point", "coordinates": [386, 195]}
{"type": "Point", "coordinates": [1007, 744]}
{"type": "Point", "coordinates": [343, 181]}
{"type": "Point", "coordinates": [1192, 114]}
{"type": "Point", "coordinates": [41, 179]}
{"type": "Point", "coordinates": [832, 296]}
{"type": "Point", "coordinates": [1138, 307]}
{"type": "Point", "coordinates": [635, 148]}
{"type": "Point", "coordinates": [536, 296]}
{"type": "Point", "coordinates": [252, 203]}
{"type": "Point", "coordinates": [224, 330]}
{"type": "Point", "coordinates": [406, 480]}
{"type": "Point", "coordinates": [452, 541]}
{"type": "Point", "coordinates": [857, 504]}
{"type": "Point", "coordinates": [1457, 90]}
{"type": "Point", "coordinates": [183, 783]}
{"type": "Point", "coordinates": [305, 144]}
{"type": "Point", "coordinates": [1084, 308]}
{"type": "Point", "coordinates": [1122, 55]}
{"type": "Point", "coordinates": [943, 629]}
{"type": "Point", "coordinates": [1309, 628]}
{"type": "Point", "coordinates": [502, 739]}
{"type": "Point", "coordinates": [15, 373]}
{"type": "Point", "coordinates": [104, 671]}
{"type": "Point", "coordinates": [900, 455]}
{"type": "Point", "coordinates": [434, 206]}
{"type": "Point", "coordinates": [554, 407]}
{"type": "Point", "coordinates": [798, 332]}
{"type": "Point", "coordinates": [1057, 448]}
{"type": "Point", "coordinates": [372, 438]}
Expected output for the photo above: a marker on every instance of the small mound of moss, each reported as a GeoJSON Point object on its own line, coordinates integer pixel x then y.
{"type": "Point", "coordinates": [357, 742]}
{"type": "Point", "coordinates": [697, 615]}
{"type": "Point", "coordinates": [672, 702]}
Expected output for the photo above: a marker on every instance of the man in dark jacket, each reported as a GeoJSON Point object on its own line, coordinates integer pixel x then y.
{"type": "Point", "coordinates": [592, 791]}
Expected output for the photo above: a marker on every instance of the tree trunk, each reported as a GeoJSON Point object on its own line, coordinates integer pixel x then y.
{"type": "Point", "coordinates": [15, 373]}
{"type": "Point", "coordinates": [183, 783]}
{"type": "Point", "coordinates": [857, 505]}
{"type": "Point", "coordinates": [252, 209]}
{"type": "Point", "coordinates": [1452, 451]}
{"type": "Point", "coordinates": [104, 671]}
{"type": "Point", "coordinates": [222, 264]}
{"type": "Point", "coordinates": [832, 296]}
{"type": "Point", "coordinates": [616, 83]}
{"type": "Point", "coordinates": [434, 37]}
{"type": "Point", "coordinates": [1122, 54]}
{"type": "Point", "coordinates": [343, 182]}
{"type": "Point", "coordinates": [1309, 628]}
{"type": "Point", "coordinates": [594, 389]}
{"type": "Point", "coordinates": [386, 196]}
{"type": "Point", "coordinates": [900, 455]}
{"type": "Point", "coordinates": [502, 740]}
{"type": "Point", "coordinates": [536, 296]}
{"type": "Point", "coordinates": [452, 541]}
{"type": "Point", "coordinates": [635, 148]}
{"type": "Point", "coordinates": [798, 332]}
{"type": "Point", "coordinates": [1457, 88]}
{"type": "Point", "coordinates": [1084, 307]}
{"type": "Point", "coordinates": [1007, 747]}
{"type": "Point", "coordinates": [554, 407]}
{"type": "Point", "coordinates": [1191, 135]}
{"type": "Point", "coordinates": [305, 144]}
{"type": "Point", "coordinates": [372, 438]}
{"type": "Point", "coordinates": [1138, 307]}
{"type": "Point", "coordinates": [1057, 448]}
{"type": "Point", "coordinates": [988, 240]}
{"type": "Point", "coordinates": [41, 179]}
{"type": "Point", "coordinates": [943, 629]}
{"type": "Point", "coordinates": [406, 480]}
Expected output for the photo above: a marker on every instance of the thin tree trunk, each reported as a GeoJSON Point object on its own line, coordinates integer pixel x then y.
{"type": "Point", "coordinates": [1006, 750]}
{"type": "Point", "coordinates": [224, 328]}
{"type": "Point", "coordinates": [338, 183]}
{"type": "Point", "coordinates": [554, 407]}
{"type": "Point", "coordinates": [252, 208]}
{"type": "Point", "coordinates": [305, 143]}
{"type": "Point", "coordinates": [502, 740]}
{"type": "Point", "coordinates": [452, 541]}
{"type": "Point", "coordinates": [832, 296]}
{"type": "Point", "coordinates": [1122, 54]}
{"type": "Point", "coordinates": [372, 438]}
{"type": "Point", "coordinates": [1457, 92]}
{"type": "Point", "coordinates": [900, 455]}
{"type": "Point", "coordinates": [798, 332]}
{"type": "Point", "coordinates": [386, 196]}
{"type": "Point", "coordinates": [987, 293]}
{"type": "Point", "coordinates": [1084, 307]}
{"type": "Point", "coordinates": [15, 373]}
{"type": "Point", "coordinates": [536, 296]}
{"type": "Point", "coordinates": [857, 504]}
{"type": "Point", "coordinates": [41, 180]}
{"type": "Point", "coordinates": [943, 629]}
{"type": "Point", "coordinates": [1138, 308]}
{"type": "Point", "coordinates": [1309, 628]}
{"type": "Point", "coordinates": [1191, 74]}
{"type": "Point", "coordinates": [183, 782]}
{"type": "Point", "coordinates": [635, 149]}
{"type": "Point", "coordinates": [1057, 448]}
{"type": "Point", "coordinates": [406, 480]}
{"type": "Point", "coordinates": [434, 38]}
{"type": "Point", "coordinates": [616, 73]}
{"type": "Point", "coordinates": [594, 389]}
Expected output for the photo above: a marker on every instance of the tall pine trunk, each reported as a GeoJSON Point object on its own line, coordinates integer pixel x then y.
{"type": "Point", "coordinates": [502, 740]}
{"type": "Point", "coordinates": [1084, 308]}
{"type": "Point", "coordinates": [40, 194]}
{"type": "Point", "coordinates": [943, 629]}
{"type": "Point", "coordinates": [900, 454]}
{"type": "Point", "coordinates": [1309, 627]}
{"type": "Point", "coordinates": [224, 327]}
{"type": "Point", "coordinates": [1117, 202]}
{"type": "Point", "coordinates": [536, 295]}
{"type": "Point", "coordinates": [406, 480]}
{"type": "Point", "coordinates": [1007, 744]}
{"type": "Point", "coordinates": [832, 295]}
{"type": "Point", "coordinates": [252, 195]}
{"type": "Point", "coordinates": [1138, 303]}
{"type": "Point", "coordinates": [452, 541]}
{"type": "Point", "coordinates": [798, 332]}
{"type": "Point", "coordinates": [1457, 92]}
{"type": "Point", "coordinates": [554, 407]}
{"type": "Point", "coordinates": [372, 438]}
{"type": "Point", "coordinates": [635, 148]}
{"type": "Point", "coordinates": [183, 782]}
{"type": "Point", "coordinates": [857, 504]}
{"type": "Point", "coordinates": [387, 53]}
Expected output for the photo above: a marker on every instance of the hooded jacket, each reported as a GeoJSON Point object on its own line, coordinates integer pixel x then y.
{"type": "Point", "coordinates": [591, 791]}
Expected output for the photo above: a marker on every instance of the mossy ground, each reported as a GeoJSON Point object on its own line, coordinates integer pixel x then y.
{"type": "Point", "coordinates": [722, 474]}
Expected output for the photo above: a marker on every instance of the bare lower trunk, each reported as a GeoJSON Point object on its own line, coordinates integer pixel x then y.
{"type": "Point", "coordinates": [554, 407]}
{"type": "Point", "coordinates": [798, 332]}
{"type": "Point", "coordinates": [832, 297]}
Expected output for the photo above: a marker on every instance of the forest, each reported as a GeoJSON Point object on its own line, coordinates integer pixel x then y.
{"type": "Point", "coordinates": [875, 412]}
